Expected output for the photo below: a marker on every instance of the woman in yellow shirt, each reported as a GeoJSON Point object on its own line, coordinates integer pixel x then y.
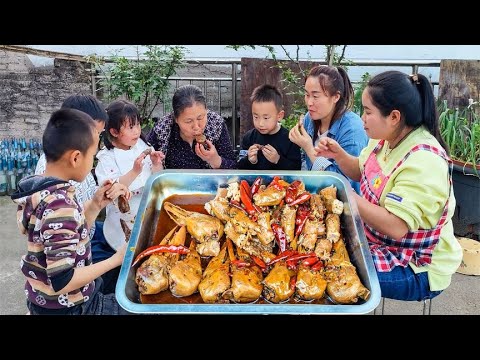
{"type": "Point", "coordinates": [407, 199]}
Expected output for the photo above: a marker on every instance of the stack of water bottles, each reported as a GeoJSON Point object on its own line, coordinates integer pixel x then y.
{"type": "Point", "coordinates": [18, 158]}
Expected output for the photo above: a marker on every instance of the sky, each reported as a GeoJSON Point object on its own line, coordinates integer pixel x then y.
{"type": "Point", "coordinates": [353, 52]}
{"type": "Point", "coordinates": [384, 52]}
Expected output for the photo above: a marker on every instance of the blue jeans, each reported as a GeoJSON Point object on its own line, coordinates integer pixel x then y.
{"type": "Point", "coordinates": [101, 251]}
{"type": "Point", "coordinates": [403, 284]}
{"type": "Point", "coordinates": [100, 248]}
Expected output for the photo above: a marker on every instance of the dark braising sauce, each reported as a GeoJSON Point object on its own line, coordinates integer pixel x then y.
{"type": "Point", "coordinates": [196, 203]}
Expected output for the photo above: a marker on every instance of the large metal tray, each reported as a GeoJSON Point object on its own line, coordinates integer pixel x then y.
{"type": "Point", "coordinates": [170, 182]}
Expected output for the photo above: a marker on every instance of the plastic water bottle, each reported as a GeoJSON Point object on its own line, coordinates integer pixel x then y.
{"type": "Point", "coordinates": [11, 177]}
{"type": "Point", "coordinates": [3, 178]}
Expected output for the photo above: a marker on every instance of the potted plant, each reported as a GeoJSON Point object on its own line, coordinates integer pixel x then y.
{"type": "Point", "coordinates": [461, 131]}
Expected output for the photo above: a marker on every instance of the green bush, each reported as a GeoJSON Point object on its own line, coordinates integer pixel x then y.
{"type": "Point", "coordinates": [460, 128]}
{"type": "Point", "coordinates": [143, 80]}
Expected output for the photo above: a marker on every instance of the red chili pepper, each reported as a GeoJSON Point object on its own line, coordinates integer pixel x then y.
{"type": "Point", "coordinates": [303, 197]}
{"type": "Point", "coordinates": [293, 282]}
{"type": "Point", "coordinates": [297, 257]}
{"type": "Point", "coordinates": [310, 261]}
{"type": "Point", "coordinates": [317, 266]}
{"type": "Point", "coordinates": [282, 255]}
{"type": "Point", "coordinates": [248, 191]}
{"type": "Point", "coordinates": [276, 184]}
{"type": "Point", "coordinates": [241, 263]}
{"type": "Point", "coordinates": [261, 264]}
{"type": "Point", "coordinates": [299, 228]}
{"type": "Point", "coordinates": [280, 236]}
{"type": "Point", "coordinates": [292, 191]}
{"type": "Point", "coordinates": [179, 249]}
{"type": "Point", "coordinates": [302, 211]}
{"type": "Point", "coordinates": [245, 196]}
{"type": "Point", "coordinates": [256, 185]}
{"type": "Point", "coordinates": [291, 264]}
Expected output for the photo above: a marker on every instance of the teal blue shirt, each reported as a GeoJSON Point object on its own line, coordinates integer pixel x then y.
{"type": "Point", "coordinates": [348, 131]}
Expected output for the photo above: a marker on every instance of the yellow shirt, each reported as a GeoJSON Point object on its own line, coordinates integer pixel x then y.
{"type": "Point", "coordinates": [420, 190]}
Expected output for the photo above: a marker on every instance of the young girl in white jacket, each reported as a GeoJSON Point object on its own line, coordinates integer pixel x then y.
{"type": "Point", "coordinates": [128, 159]}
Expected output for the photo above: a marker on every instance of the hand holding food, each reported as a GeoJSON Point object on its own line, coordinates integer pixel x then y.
{"type": "Point", "coordinates": [157, 158]}
{"type": "Point", "coordinates": [202, 140]}
{"type": "Point", "coordinates": [299, 136]}
{"type": "Point", "coordinates": [109, 191]}
{"type": "Point", "coordinates": [209, 154]}
{"type": "Point", "coordinates": [271, 154]}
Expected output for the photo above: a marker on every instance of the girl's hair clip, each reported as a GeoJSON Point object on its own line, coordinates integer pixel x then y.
{"type": "Point", "coordinates": [414, 78]}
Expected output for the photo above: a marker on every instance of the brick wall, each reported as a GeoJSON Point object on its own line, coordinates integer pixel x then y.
{"type": "Point", "coordinates": [29, 95]}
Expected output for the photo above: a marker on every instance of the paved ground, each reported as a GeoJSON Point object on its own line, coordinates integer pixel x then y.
{"type": "Point", "coordinates": [461, 298]}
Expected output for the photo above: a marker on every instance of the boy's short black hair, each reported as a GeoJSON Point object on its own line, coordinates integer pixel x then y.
{"type": "Point", "coordinates": [67, 129]}
{"type": "Point", "coordinates": [88, 104]}
{"type": "Point", "coordinates": [267, 93]}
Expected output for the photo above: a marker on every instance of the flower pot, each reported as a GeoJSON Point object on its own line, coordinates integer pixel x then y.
{"type": "Point", "coordinates": [466, 187]}
{"type": "Point", "coordinates": [462, 165]}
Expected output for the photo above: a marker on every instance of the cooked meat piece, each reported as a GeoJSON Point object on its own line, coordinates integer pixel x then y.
{"type": "Point", "coordinates": [323, 249]}
{"type": "Point", "coordinates": [201, 139]}
{"type": "Point", "coordinates": [147, 151]}
{"type": "Point", "coordinates": [216, 278]}
{"type": "Point", "coordinates": [332, 223]}
{"type": "Point", "coordinates": [309, 235]}
{"type": "Point", "coordinates": [269, 196]}
{"type": "Point", "coordinates": [287, 221]}
{"type": "Point", "coordinates": [126, 230]}
{"type": "Point", "coordinates": [246, 284]}
{"type": "Point", "coordinates": [123, 204]}
{"type": "Point", "coordinates": [208, 248]}
{"type": "Point", "coordinates": [277, 284]}
{"type": "Point", "coordinates": [266, 235]}
{"type": "Point", "coordinates": [204, 228]}
{"type": "Point", "coordinates": [185, 275]}
{"type": "Point", "coordinates": [317, 207]}
{"type": "Point", "coordinates": [332, 204]}
{"type": "Point", "coordinates": [339, 254]}
{"type": "Point", "coordinates": [152, 277]}
{"type": "Point", "coordinates": [344, 285]}
{"type": "Point", "coordinates": [219, 207]}
{"type": "Point", "coordinates": [310, 284]}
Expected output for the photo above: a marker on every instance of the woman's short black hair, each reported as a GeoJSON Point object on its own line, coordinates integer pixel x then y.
{"type": "Point", "coordinates": [186, 96]}
{"type": "Point", "coordinates": [67, 129]}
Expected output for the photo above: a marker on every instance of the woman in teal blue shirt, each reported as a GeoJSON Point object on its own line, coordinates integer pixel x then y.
{"type": "Point", "coordinates": [329, 98]}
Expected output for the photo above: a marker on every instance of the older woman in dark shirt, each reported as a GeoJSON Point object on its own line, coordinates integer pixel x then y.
{"type": "Point", "coordinates": [178, 134]}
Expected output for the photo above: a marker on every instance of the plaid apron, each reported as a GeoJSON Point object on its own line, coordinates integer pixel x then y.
{"type": "Point", "coordinates": [416, 246]}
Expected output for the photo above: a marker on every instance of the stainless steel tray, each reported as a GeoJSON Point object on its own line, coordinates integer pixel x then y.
{"type": "Point", "coordinates": [170, 182]}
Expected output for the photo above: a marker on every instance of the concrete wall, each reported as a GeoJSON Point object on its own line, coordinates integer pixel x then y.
{"type": "Point", "coordinates": [29, 95]}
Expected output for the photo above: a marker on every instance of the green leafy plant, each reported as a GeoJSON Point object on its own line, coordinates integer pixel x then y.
{"type": "Point", "coordinates": [460, 128]}
{"type": "Point", "coordinates": [357, 101]}
{"type": "Point", "coordinates": [292, 76]}
{"type": "Point", "coordinates": [142, 80]}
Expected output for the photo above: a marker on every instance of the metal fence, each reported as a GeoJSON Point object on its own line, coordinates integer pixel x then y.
{"type": "Point", "coordinates": [223, 95]}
